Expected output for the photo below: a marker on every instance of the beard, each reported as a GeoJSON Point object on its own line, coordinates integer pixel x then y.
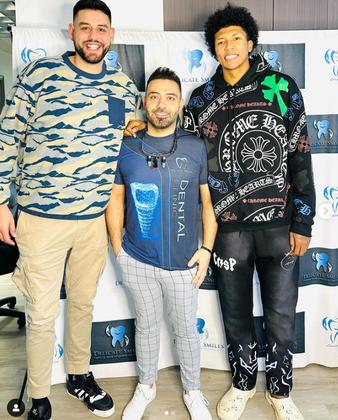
{"type": "Point", "coordinates": [88, 57]}
{"type": "Point", "coordinates": [161, 123]}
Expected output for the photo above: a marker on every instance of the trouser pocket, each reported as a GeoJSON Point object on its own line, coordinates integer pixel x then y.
{"type": "Point", "coordinates": [21, 277]}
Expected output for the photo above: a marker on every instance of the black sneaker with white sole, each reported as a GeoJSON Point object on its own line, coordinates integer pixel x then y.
{"type": "Point", "coordinates": [85, 388]}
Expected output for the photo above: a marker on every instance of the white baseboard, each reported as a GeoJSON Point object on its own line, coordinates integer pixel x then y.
{"type": "Point", "coordinates": [6, 278]}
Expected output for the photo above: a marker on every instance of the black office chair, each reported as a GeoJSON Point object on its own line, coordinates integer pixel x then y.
{"type": "Point", "coordinates": [11, 302]}
{"type": "Point", "coordinates": [8, 258]}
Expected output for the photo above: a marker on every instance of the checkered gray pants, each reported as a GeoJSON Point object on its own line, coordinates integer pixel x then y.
{"type": "Point", "coordinates": [149, 285]}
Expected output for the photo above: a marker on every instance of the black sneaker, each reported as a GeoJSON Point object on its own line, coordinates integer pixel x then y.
{"type": "Point", "coordinates": [85, 388]}
{"type": "Point", "coordinates": [42, 412]}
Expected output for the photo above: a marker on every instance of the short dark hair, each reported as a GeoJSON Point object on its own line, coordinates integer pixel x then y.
{"type": "Point", "coordinates": [91, 5]}
{"type": "Point", "coordinates": [165, 73]}
{"type": "Point", "coordinates": [230, 16]}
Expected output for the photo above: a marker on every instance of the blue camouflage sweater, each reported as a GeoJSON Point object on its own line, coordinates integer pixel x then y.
{"type": "Point", "coordinates": [60, 135]}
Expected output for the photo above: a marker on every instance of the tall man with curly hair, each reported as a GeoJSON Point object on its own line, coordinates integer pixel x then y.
{"type": "Point", "coordinates": [253, 122]}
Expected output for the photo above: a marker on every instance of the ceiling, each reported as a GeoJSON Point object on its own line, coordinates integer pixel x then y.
{"type": "Point", "coordinates": [7, 18]}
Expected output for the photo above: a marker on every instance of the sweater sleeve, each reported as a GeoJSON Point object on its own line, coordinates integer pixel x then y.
{"type": "Point", "coordinates": [300, 165]}
{"type": "Point", "coordinates": [138, 113]}
{"type": "Point", "coordinates": [14, 119]}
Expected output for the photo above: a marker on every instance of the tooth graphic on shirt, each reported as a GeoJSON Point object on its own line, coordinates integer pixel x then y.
{"type": "Point", "coordinates": [145, 198]}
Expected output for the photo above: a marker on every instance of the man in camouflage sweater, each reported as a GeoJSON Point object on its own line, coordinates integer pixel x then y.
{"type": "Point", "coordinates": [60, 135]}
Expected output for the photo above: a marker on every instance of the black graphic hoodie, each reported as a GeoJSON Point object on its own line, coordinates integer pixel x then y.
{"type": "Point", "coordinates": [259, 161]}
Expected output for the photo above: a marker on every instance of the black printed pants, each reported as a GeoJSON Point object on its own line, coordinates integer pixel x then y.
{"type": "Point", "coordinates": [235, 256]}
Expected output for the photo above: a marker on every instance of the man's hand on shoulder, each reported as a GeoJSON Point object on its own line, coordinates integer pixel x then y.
{"type": "Point", "coordinates": [7, 225]}
{"type": "Point", "coordinates": [133, 127]}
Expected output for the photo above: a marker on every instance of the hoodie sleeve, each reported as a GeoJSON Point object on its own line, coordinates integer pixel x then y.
{"type": "Point", "coordinates": [300, 166]}
{"type": "Point", "coordinates": [13, 124]}
{"type": "Point", "coordinates": [190, 122]}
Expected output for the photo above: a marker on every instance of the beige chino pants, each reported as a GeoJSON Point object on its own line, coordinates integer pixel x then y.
{"type": "Point", "coordinates": [46, 247]}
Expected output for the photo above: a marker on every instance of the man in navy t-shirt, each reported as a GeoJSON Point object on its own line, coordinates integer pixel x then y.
{"type": "Point", "coordinates": [161, 176]}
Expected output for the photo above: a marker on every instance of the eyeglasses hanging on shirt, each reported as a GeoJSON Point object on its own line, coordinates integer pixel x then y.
{"type": "Point", "coordinates": [152, 158]}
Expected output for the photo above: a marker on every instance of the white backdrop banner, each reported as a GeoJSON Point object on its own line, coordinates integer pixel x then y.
{"type": "Point", "coordinates": [311, 57]}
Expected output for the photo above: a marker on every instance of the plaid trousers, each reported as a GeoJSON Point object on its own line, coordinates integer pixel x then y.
{"type": "Point", "coordinates": [149, 285]}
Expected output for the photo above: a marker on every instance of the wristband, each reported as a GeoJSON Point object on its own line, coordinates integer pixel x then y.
{"type": "Point", "coordinates": [207, 249]}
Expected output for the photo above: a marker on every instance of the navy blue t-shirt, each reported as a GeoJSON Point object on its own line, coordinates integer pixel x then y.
{"type": "Point", "coordinates": [162, 204]}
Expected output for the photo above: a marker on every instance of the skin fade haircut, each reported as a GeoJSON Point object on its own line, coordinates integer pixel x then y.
{"type": "Point", "coordinates": [164, 73]}
{"type": "Point", "coordinates": [91, 5]}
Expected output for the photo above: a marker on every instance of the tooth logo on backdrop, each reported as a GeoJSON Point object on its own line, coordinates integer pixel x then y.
{"type": "Point", "coordinates": [196, 65]}
{"type": "Point", "coordinates": [113, 342]}
{"type": "Point", "coordinates": [117, 335]}
{"type": "Point", "coordinates": [58, 350]}
{"type": "Point", "coordinates": [331, 326]}
{"type": "Point", "coordinates": [322, 262]}
{"type": "Point", "coordinates": [28, 55]}
{"type": "Point", "coordinates": [331, 58]}
{"type": "Point", "coordinates": [272, 57]}
{"type": "Point", "coordinates": [323, 133]}
{"type": "Point", "coordinates": [111, 60]}
{"type": "Point", "coordinates": [319, 266]}
{"type": "Point", "coordinates": [206, 343]}
{"type": "Point", "coordinates": [323, 129]}
{"type": "Point", "coordinates": [203, 333]}
{"type": "Point", "coordinates": [331, 195]}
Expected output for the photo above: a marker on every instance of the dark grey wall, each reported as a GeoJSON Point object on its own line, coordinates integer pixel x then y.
{"type": "Point", "coordinates": [190, 15]}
